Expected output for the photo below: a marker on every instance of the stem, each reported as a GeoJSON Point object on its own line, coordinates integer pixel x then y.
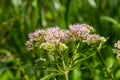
{"type": "Point", "coordinates": [57, 64]}
{"type": "Point", "coordinates": [71, 61]}
{"type": "Point", "coordinates": [78, 62]}
{"type": "Point", "coordinates": [64, 69]}
{"type": "Point", "coordinates": [76, 48]}
{"type": "Point", "coordinates": [65, 72]}
{"type": "Point", "coordinates": [103, 63]}
{"type": "Point", "coordinates": [64, 66]}
{"type": "Point", "coordinates": [66, 75]}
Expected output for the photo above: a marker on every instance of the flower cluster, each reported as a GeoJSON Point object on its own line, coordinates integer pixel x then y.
{"type": "Point", "coordinates": [49, 39]}
{"type": "Point", "coordinates": [54, 38]}
{"type": "Point", "coordinates": [94, 38]}
{"type": "Point", "coordinates": [116, 49]}
{"type": "Point", "coordinates": [80, 31]}
{"type": "Point", "coordinates": [35, 39]}
{"type": "Point", "coordinates": [54, 34]}
{"type": "Point", "coordinates": [85, 33]}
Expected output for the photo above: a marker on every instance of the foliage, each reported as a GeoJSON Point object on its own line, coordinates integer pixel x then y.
{"type": "Point", "coordinates": [20, 17]}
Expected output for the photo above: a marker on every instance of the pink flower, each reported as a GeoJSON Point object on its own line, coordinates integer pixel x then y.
{"type": "Point", "coordinates": [54, 34]}
{"type": "Point", "coordinates": [94, 39]}
{"type": "Point", "coordinates": [35, 39]}
{"type": "Point", "coordinates": [80, 31]}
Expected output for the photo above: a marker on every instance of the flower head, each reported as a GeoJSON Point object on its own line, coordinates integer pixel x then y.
{"type": "Point", "coordinates": [117, 45]}
{"type": "Point", "coordinates": [116, 49]}
{"type": "Point", "coordinates": [80, 31]}
{"type": "Point", "coordinates": [67, 37]}
{"type": "Point", "coordinates": [89, 28]}
{"type": "Point", "coordinates": [35, 39]}
{"type": "Point", "coordinates": [51, 47]}
{"type": "Point", "coordinates": [48, 46]}
{"type": "Point", "coordinates": [62, 47]}
{"type": "Point", "coordinates": [54, 34]}
{"type": "Point", "coordinates": [94, 39]}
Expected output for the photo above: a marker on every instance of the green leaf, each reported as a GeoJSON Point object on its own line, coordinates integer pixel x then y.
{"type": "Point", "coordinates": [52, 69]}
{"type": "Point", "coordinates": [16, 3]}
{"type": "Point", "coordinates": [107, 18]}
{"type": "Point", "coordinates": [92, 3]}
{"type": "Point", "coordinates": [57, 4]}
{"type": "Point", "coordinates": [6, 55]}
{"type": "Point", "coordinates": [77, 62]}
{"type": "Point", "coordinates": [34, 3]}
{"type": "Point", "coordinates": [78, 56]}
{"type": "Point", "coordinates": [4, 51]}
{"type": "Point", "coordinates": [76, 74]}
{"type": "Point", "coordinates": [117, 75]}
{"type": "Point", "coordinates": [6, 75]}
{"type": "Point", "coordinates": [110, 62]}
{"type": "Point", "coordinates": [49, 76]}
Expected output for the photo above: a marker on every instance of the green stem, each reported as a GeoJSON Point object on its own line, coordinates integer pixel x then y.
{"type": "Point", "coordinates": [66, 75]}
{"type": "Point", "coordinates": [64, 69]}
{"type": "Point", "coordinates": [64, 66]}
{"type": "Point", "coordinates": [103, 63]}
{"type": "Point", "coordinates": [78, 62]}
{"type": "Point", "coordinates": [72, 59]}
{"type": "Point", "coordinates": [57, 64]}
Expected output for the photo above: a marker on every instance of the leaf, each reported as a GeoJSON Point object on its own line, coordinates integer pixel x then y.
{"type": "Point", "coordinates": [4, 51]}
{"type": "Point", "coordinates": [92, 3]}
{"type": "Point", "coordinates": [107, 18]}
{"type": "Point", "coordinates": [117, 75]}
{"type": "Point", "coordinates": [110, 62]}
{"type": "Point", "coordinates": [5, 55]}
{"type": "Point", "coordinates": [57, 5]}
{"type": "Point", "coordinates": [77, 62]}
{"type": "Point", "coordinates": [52, 69]}
{"type": "Point", "coordinates": [76, 74]}
{"type": "Point", "coordinates": [6, 75]}
{"type": "Point", "coordinates": [49, 76]}
{"type": "Point", "coordinates": [16, 3]}
{"type": "Point", "coordinates": [34, 3]}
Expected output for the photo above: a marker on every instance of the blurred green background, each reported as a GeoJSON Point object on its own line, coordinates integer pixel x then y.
{"type": "Point", "coordinates": [20, 17]}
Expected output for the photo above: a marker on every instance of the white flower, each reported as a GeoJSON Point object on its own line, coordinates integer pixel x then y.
{"type": "Point", "coordinates": [116, 49]}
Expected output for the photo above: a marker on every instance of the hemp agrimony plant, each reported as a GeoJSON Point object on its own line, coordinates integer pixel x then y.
{"type": "Point", "coordinates": [63, 50]}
